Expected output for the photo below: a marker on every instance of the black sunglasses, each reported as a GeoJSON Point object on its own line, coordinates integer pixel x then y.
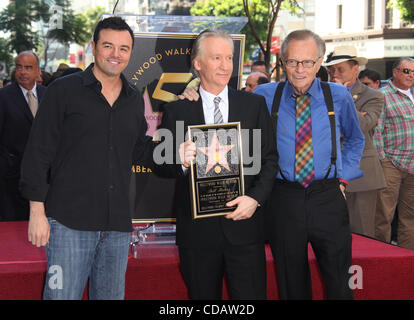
{"type": "Point", "coordinates": [407, 71]}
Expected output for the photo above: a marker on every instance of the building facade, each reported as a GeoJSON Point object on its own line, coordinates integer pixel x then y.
{"type": "Point", "coordinates": [374, 28]}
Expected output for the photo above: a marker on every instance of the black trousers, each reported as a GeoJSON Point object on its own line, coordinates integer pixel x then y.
{"type": "Point", "coordinates": [316, 215]}
{"type": "Point", "coordinates": [13, 207]}
{"type": "Point", "coordinates": [244, 266]}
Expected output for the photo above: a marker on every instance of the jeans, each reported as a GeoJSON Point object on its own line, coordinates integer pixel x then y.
{"type": "Point", "coordinates": [74, 256]}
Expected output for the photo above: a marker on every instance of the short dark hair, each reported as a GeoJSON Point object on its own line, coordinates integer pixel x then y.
{"type": "Point", "coordinates": [114, 23]}
{"type": "Point", "coordinates": [370, 74]}
{"type": "Point", "coordinates": [259, 63]}
{"type": "Point", "coordinates": [322, 74]}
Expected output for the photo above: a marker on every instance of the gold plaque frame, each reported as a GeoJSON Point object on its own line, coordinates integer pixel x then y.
{"type": "Point", "coordinates": [216, 175]}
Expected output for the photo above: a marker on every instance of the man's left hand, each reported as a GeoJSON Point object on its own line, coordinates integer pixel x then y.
{"type": "Point", "coordinates": [342, 190]}
{"type": "Point", "coordinates": [246, 207]}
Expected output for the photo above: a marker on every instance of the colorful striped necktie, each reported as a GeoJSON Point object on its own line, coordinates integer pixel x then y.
{"type": "Point", "coordinates": [304, 170]}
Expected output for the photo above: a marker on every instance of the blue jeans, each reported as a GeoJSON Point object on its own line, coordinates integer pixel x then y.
{"type": "Point", "coordinates": [74, 256]}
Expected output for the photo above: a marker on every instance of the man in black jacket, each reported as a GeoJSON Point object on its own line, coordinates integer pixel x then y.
{"type": "Point", "coordinates": [234, 243]}
{"type": "Point", "coordinates": [77, 167]}
{"type": "Point", "coordinates": [18, 106]}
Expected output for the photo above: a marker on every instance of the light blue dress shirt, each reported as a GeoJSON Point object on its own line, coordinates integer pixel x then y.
{"type": "Point", "coordinates": [347, 126]}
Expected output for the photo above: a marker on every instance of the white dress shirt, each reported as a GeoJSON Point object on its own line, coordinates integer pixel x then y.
{"type": "Point", "coordinates": [208, 105]}
{"type": "Point", "coordinates": [208, 108]}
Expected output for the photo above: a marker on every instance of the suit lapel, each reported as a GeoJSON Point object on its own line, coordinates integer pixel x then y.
{"type": "Point", "coordinates": [198, 111]}
{"type": "Point", "coordinates": [21, 103]}
{"type": "Point", "coordinates": [233, 103]}
{"type": "Point", "coordinates": [39, 91]}
{"type": "Point", "coordinates": [356, 92]}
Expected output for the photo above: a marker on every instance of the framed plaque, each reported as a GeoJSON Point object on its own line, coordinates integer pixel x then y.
{"type": "Point", "coordinates": [217, 172]}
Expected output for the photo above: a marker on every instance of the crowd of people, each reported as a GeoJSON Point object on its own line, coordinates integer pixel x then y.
{"type": "Point", "coordinates": [336, 157]}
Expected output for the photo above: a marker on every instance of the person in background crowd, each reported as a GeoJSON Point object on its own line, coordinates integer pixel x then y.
{"type": "Point", "coordinates": [18, 107]}
{"type": "Point", "coordinates": [77, 166]}
{"type": "Point", "coordinates": [394, 139]}
{"type": "Point", "coordinates": [307, 204]}
{"type": "Point", "coordinates": [259, 66]}
{"type": "Point", "coordinates": [322, 74]}
{"type": "Point", "coordinates": [361, 194]}
{"type": "Point", "coordinates": [254, 79]}
{"type": "Point", "coordinates": [370, 78]}
{"type": "Point", "coordinates": [6, 82]}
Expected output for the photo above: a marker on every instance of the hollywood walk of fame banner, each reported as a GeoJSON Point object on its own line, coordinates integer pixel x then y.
{"type": "Point", "coordinates": [217, 173]}
{"type": "Point", "coordinates": [160, 67]}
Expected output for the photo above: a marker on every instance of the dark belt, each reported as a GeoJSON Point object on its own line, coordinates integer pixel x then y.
{"type": "Point", "coordinates": [315, 185]}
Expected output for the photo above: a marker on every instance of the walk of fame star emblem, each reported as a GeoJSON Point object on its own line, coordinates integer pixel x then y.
{"type": "Point", "coordinates": [217, 155]}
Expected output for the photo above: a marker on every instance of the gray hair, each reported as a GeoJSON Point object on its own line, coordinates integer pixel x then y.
{"type": "Point", "coordinates": [304, 35]}
{"type": "Point", "coordinates": [399, 61]}
{"type": "Point", "coordinates": [198, 43]}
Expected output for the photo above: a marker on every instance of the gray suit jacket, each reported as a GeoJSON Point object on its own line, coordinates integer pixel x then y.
{"type": "Point", "coordinates": [370, 101]}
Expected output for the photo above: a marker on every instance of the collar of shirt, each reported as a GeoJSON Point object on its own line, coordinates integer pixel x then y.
{"type": "Point", "coordinates": [24, 91]}
{"type": "Point", "coordinates": [208, 105]}
{"type": "Point", "coordinates": [351, 87]}
{"type": "Point", "coordinates": [314, 91]}
{"type": "Point", "coordinates": [409, 93]}
{"type": "Point", "coordinates": [89, 79]}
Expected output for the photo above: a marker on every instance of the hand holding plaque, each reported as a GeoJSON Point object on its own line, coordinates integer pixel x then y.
{"type": "Point", "coordinates": [216, 175]}
{"type": "Point", "coordinates": [187, 153]}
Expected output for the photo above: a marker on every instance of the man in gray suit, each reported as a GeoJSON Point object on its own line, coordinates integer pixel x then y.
{"type": "Point", "coordinates": [361, 194]}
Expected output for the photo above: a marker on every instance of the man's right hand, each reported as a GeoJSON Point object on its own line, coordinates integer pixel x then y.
{"type": "Point", "coordinates": [187, 153]}
{"type": "Point", "coordinates": [39, 228]}
{"type": "Point", "coordinates": [190, 94]}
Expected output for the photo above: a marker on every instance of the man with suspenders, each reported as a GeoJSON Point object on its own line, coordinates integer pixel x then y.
{"type": "Point", "coordinates": [307, 204]}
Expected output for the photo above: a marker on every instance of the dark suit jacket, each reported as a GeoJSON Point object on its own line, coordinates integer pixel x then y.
{"type": "Point", "coordinates": [15, 123]}
{"type": "Point", "coordinates": [251, 111]}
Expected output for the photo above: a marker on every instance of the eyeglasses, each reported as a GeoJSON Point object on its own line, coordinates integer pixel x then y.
{"type": "Point", "coordinates": [291, 63]}
{"type": "Point", "coordinates": [407, 71]}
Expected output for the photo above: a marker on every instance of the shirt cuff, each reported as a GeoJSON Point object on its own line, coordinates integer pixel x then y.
{"type": "Point", "coordinates": [344, 181]}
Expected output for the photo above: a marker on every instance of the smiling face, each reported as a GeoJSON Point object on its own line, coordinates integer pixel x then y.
{"type": "Point", "coordinates": [299, 77]}
{"type": "Point", "coordinates": [112, 52]}
{"type": "Point", "coordinates": [214, 64]}
{"type": "Point", "coordinates": [402, 80]}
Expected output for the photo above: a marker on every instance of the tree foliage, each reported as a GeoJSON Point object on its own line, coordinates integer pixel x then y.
{"type": "Point", "coordinates": [73, 28]}
{"type": "Point", "coordinates": [234, 8]}
{"type": "Point", "coordinates": [17, 18]}
{"type": "Point", "coordinates": [261, 14]}
{"type": "Point", "coordinates": [26, 20]}
{"type": "Point", "coordinates": [406, 8]}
